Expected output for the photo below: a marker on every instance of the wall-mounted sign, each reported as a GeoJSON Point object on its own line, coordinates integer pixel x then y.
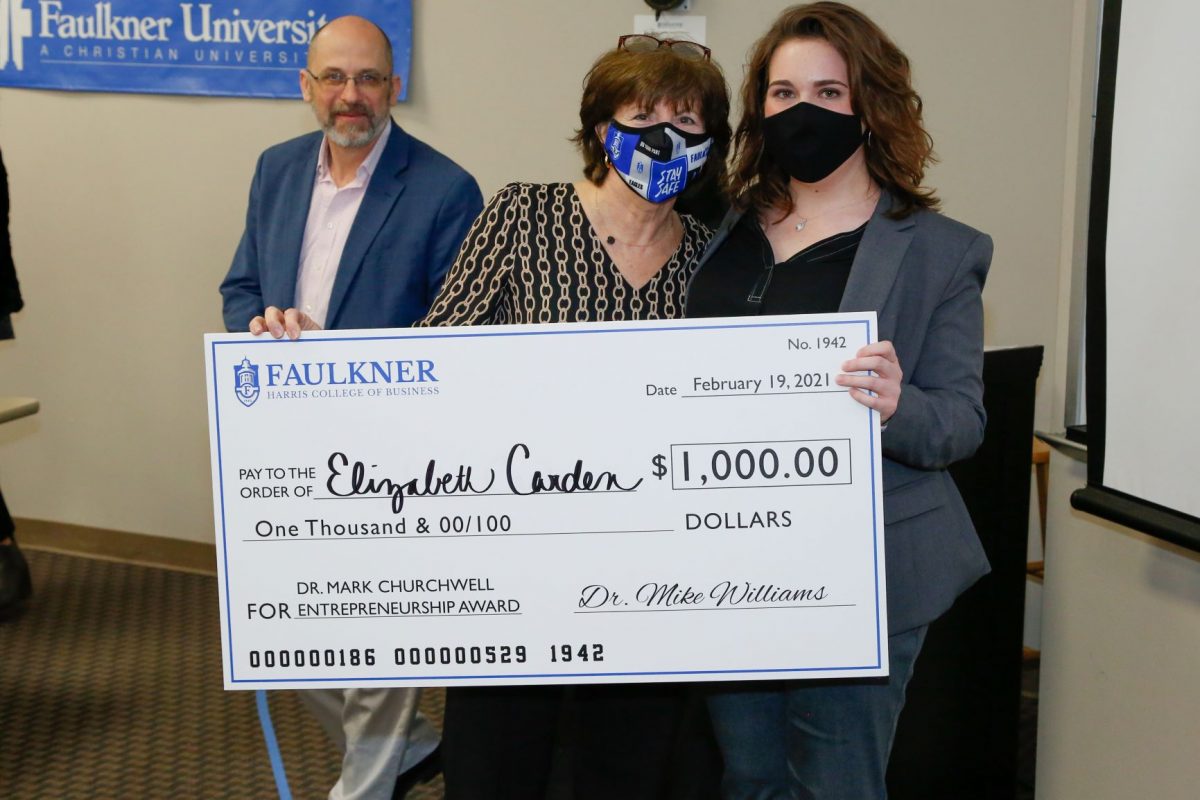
{"type": "Point", "coordinates": [246, 48]}
{"type": "Point", "coordinates": [672, 26]}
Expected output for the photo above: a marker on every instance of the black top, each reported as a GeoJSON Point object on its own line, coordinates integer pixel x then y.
{"type": "Point", "coordinates": [10, 291]}
{"type": "Point", "coordinates": [810, 282]}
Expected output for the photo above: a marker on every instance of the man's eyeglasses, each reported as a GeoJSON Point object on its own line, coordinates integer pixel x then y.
{"type": "Point", "coordinates": [644, 43]}
{"type": "Point", "coordinates": [367, 81]}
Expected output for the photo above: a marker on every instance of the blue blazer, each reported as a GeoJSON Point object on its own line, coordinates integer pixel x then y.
{"type": "Point", "coordinates": [414, 215]}
{"type": "Point", "coordinates": [924, 276]}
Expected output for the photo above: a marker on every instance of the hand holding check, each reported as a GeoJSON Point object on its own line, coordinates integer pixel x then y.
{"type": "Point", "coordinates": [279, 322]}
{"type": "Point", "coordinates": [880, 390]}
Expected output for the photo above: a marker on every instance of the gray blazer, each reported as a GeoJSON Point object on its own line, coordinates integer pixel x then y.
{"type": "Point", "coordinates": [924, 276]}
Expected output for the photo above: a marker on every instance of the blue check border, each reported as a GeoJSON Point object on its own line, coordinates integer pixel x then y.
{"type": "Point", "coordinates": [432, 680]}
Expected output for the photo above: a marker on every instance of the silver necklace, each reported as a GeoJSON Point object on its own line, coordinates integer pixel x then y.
{"type": "Point", "coordinates": [801, 222]}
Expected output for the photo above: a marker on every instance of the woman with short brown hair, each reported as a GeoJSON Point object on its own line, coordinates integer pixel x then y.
{"type": "Point", "coordinates": [653, 126]}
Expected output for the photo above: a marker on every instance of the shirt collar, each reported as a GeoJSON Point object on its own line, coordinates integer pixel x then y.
{"type": "Point", "coordinates": [365, 170]}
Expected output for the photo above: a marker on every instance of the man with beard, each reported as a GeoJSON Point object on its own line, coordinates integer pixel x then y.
{"type": "Point", "coordinates": [352, 227]}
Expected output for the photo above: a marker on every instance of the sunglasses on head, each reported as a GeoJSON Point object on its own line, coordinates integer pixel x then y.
{"type": "Point", "coordinates": [644, 43]}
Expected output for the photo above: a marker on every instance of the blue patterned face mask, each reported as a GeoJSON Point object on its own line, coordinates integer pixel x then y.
{"type": "Point", "coordinates": [657, 161]}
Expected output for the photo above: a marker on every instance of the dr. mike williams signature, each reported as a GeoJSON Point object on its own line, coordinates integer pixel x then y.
{"type": "Point", "coordinates": [726, 594]}
{"type": "Point", "coordinates": [350, 479]}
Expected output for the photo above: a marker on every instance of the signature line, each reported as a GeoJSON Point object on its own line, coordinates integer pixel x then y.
{"type": "Point", "coordinates": [449, 535]}
{"type": "Point", "coordinates": [726, 608]}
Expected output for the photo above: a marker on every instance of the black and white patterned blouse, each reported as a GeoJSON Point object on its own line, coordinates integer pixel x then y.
{"type": "Point", "coordinates": [532, 256]}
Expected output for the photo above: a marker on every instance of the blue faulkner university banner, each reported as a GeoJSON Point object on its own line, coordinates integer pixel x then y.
{"type": "Point", "coordinates": [251, 48]}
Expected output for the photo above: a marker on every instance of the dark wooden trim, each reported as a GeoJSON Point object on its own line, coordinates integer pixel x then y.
{"type": "Point", "coordinates": [134, 548]}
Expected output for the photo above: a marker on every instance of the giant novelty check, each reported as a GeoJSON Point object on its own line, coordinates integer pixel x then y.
{"type": "Point", "coordinates": [609, 502]}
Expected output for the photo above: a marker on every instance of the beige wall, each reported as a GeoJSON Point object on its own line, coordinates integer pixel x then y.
{"type": "Point", "coordinates": [1119, 709]}
{"type": "Point", "coordinates": [127, 209]}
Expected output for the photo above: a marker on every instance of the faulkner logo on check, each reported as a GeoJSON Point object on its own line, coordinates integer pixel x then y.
{"type": "Point", "coordinates": [351, 373]}
{"type": "Point", "coordinates": [342, 380]}
{"type": "Point", "coordinates": [246, 382]}
{"type": "Point", "coordinates": [16, 25]}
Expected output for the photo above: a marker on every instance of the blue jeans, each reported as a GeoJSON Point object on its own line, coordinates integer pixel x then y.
{"type": "Point", "coordinates": [813, 740]}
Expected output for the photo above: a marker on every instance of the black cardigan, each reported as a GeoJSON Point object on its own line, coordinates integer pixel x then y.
{"type": "Point", "coordinates": [10, 290]}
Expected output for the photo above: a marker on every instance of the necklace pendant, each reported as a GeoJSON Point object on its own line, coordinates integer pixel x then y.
{"type": "Point", "coordinates": [800, 225]}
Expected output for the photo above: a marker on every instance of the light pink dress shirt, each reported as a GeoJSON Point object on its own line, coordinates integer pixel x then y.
{"type": "Point", "coordinates": [330, 215]}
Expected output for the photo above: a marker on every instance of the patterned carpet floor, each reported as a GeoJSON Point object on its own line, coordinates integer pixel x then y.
{"type": "Point", "coordinates": [110, 687]}
{"type": "Point", "coordinates": [129, 704]}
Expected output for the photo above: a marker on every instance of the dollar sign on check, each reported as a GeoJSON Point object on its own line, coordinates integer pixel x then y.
{"type": "Point", "coordinates": [660, 466]}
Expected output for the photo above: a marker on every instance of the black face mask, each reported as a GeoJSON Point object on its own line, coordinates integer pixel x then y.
{"type": "Point", "coordinates": [810, 142]}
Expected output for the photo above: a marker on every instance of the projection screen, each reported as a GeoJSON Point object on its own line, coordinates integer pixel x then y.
{"type": "Point", "coordinates": [1144, 272]}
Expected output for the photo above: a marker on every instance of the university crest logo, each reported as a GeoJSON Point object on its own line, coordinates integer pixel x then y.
{"type": "Point", "coordinates": [16, 25]}
{"type": "Point", "coordinates": [246, 382]}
